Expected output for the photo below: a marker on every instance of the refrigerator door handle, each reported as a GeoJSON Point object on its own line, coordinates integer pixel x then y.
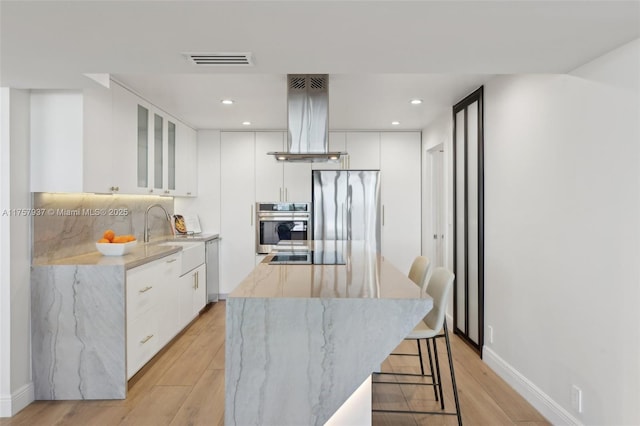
{"type": "Point", "coordinates": [383, 215]}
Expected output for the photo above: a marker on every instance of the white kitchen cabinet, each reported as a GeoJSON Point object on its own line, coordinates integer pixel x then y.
{"type": "Point", "coordinates": [131, 131]}
{"type": "Point", "coordinates": [364, 150]}
{"type": "Point", "coordinates": [186, 161]}
{"type": "Point", "coordinates": [401, 197]}
{"type": "Point", "coordinates": [152, 314]}
{"type": "Point", "coordinates": [109, 141]}
{"type": "Point", "coordinates": [237, 204]}
{"type": "Point", "coordinates": [193, 294]}
{"type": "Point", "coordinates": [268, 170]}
{"type": "Point", "coordinates": [168, 270]}
{"type": "Point", "coordinates": [297, 182]}
{"type": "Point", "coordinates": [172, 155]}
{"type": "Point", "coordinates": [276, 180]}
{"type": "Point", "coordinates": [72, 148]}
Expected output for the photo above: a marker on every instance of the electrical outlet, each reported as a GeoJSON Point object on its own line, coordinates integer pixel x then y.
{"type": "Point", "coordinates": [576, 398]}
{"type": "Point", "coordinates": [490, 329]}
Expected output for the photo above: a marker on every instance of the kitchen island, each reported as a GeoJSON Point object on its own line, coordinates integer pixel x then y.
{"type": "Point", "coordinates": [302, 338]}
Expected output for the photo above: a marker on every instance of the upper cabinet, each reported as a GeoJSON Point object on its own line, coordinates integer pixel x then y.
{"type": "Point", "coordinates": [109, 141]}
{"type": "Point", "coordinates": [186, 161]}
{"type": "Point", "coordinates": [130, 133]}
{"type": "Point", "coordinates": [362, 148]}
{"type": "Point", "coordinates": [164, 149]}
{"type": "Point", "coordinates": [71, 149]}
{"type": "Point", "coordinates": [279, 181]}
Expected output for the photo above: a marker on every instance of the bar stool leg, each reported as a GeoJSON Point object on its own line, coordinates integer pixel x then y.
{"type": "Point", "coordinates": [433, 375]}
{"type": "Point", "coordinates": [420, 356]}
{"type": "Point", "coordinates": [435, 351]}
{"type": "Point", "coordinates": [453, 376]}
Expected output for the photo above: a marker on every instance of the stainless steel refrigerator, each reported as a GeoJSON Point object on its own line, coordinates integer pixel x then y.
{"type": "Point", "coordinates": [346, 206]}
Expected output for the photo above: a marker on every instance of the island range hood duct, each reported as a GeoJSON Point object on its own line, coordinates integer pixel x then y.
{"type": "Point", "coordinates": [308, 120]}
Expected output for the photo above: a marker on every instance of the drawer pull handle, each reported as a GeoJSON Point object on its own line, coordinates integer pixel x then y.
{"type": "Point", "coordinates": [146, 339]}
{"type": "Point", "coordinates": [172, 260]}
{"type": "Point", "coordinates": [147, 288]}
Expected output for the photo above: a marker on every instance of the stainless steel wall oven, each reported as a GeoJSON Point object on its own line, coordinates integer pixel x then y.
{"type": "Point", "coordinates": [277, 222]}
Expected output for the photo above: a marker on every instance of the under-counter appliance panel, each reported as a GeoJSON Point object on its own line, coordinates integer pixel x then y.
{"type": "Point", "coordinates": [277, 222]}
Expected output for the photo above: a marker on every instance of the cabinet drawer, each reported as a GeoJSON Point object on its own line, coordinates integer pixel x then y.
{"type": "Point", "coordinates": [142, 292]}
{"type": "Point", "coordinates": [144, 284]}
{"type": "Point", "coordinates": [142, 342]}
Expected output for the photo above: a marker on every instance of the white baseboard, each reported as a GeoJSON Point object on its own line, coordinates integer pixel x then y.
{"type": "Point", "coordinates": [12, 404]}
{"type": "Point", "coordinates": [542, 402]}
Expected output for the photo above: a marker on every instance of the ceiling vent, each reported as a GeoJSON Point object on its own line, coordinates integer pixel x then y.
{"type": "Point", "coordinates": [221, 58]}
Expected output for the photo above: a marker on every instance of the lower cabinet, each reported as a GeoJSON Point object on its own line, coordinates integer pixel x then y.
{"type": "Point", "coordinates": [160, 303]}
{"type": "Point", "coordinates": [192, 294]}
{"type": "Point", "coordinates": [109, 320]}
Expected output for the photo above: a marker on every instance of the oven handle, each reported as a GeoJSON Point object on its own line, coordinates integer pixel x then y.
{"type": "Point", "coordinates": [283, 216]}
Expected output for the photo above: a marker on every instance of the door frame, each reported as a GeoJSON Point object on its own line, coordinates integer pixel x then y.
{"type": "Point", "coordinates": [476, 96]}
{"type": "Point", "coordinates": [437, 179]}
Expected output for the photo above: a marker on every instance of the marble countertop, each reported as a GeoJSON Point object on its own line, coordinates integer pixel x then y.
{"type": "Point", "coordinates": [196, 237]}
{"type": "Point", "coordinates": [141, 254]}
{"type": "Point", "coordinates": [365, 274]}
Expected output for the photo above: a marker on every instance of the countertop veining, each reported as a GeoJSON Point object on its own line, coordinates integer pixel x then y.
{"type": "Point", "coordinates": [365, 274]}
{"type": "Point", "coordinates": [141, 254]}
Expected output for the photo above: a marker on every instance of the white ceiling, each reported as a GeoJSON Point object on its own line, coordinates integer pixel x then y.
{"type": "Point", "coordinates": [380, 54]}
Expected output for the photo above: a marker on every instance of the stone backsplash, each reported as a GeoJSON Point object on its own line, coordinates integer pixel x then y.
{"type": "Point", "coordinates": [70, 224]}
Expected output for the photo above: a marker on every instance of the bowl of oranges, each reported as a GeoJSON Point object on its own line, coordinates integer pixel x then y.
{"type": "Point", "coordinates": [115, 245]}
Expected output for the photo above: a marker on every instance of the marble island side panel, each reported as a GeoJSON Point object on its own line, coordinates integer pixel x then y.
{"type": "Point", "coordinates": [78, 332]}
{"type": "Point", "coordinates": [292, 361]}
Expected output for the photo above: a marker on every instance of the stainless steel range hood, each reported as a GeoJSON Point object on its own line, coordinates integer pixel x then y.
{"type": "Point", "coordinates": [308, 120]}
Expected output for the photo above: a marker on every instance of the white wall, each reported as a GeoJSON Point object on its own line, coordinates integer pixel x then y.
{"type": "Point", "coordinates": [16, 389]}
{"type": "Point", "coordinates": [207, 204]}
{"type": "Point", "coordinates": [562, 228]}
{"type": "Point", "coordinates": [439, 132]}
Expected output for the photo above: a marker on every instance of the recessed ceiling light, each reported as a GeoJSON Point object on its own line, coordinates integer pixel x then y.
{"type": "Point", "coordinates": [415, 101]}
{"type": "Point", "coordinates": [395, 123]}
{"type": "Point", "coordinates": [246, 123]}
{"type": "Point", "coordinates": [227, 101]}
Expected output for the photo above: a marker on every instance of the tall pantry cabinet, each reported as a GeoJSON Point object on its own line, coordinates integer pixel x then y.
{"type": "Point", "coordinates": [237, 204]}
{"type": "Point", "coordinates": [400, 193]}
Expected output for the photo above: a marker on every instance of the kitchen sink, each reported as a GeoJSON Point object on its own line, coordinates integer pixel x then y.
{"type": "Point", "coordinates": [192, 254]}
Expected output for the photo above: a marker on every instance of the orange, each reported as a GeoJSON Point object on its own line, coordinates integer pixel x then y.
{"type": "Point", "coordinates": [129, 237]}
{"type": "Point", "coordinates": [103, 240]}
{"type": "Point", "coordinates": [119, 239]}
{"type": "Point", "coordinates": [109, 235]}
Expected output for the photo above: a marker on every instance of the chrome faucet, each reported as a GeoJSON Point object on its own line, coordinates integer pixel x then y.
{"type": "Point", "coordinates": [146, 221]}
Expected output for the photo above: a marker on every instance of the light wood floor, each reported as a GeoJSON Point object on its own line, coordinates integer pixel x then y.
{"type": "Point", "coordinates": [184, 385]}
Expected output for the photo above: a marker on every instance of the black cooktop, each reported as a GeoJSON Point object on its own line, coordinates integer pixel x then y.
{"type": "Point", "coordinates": [314, 257]}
